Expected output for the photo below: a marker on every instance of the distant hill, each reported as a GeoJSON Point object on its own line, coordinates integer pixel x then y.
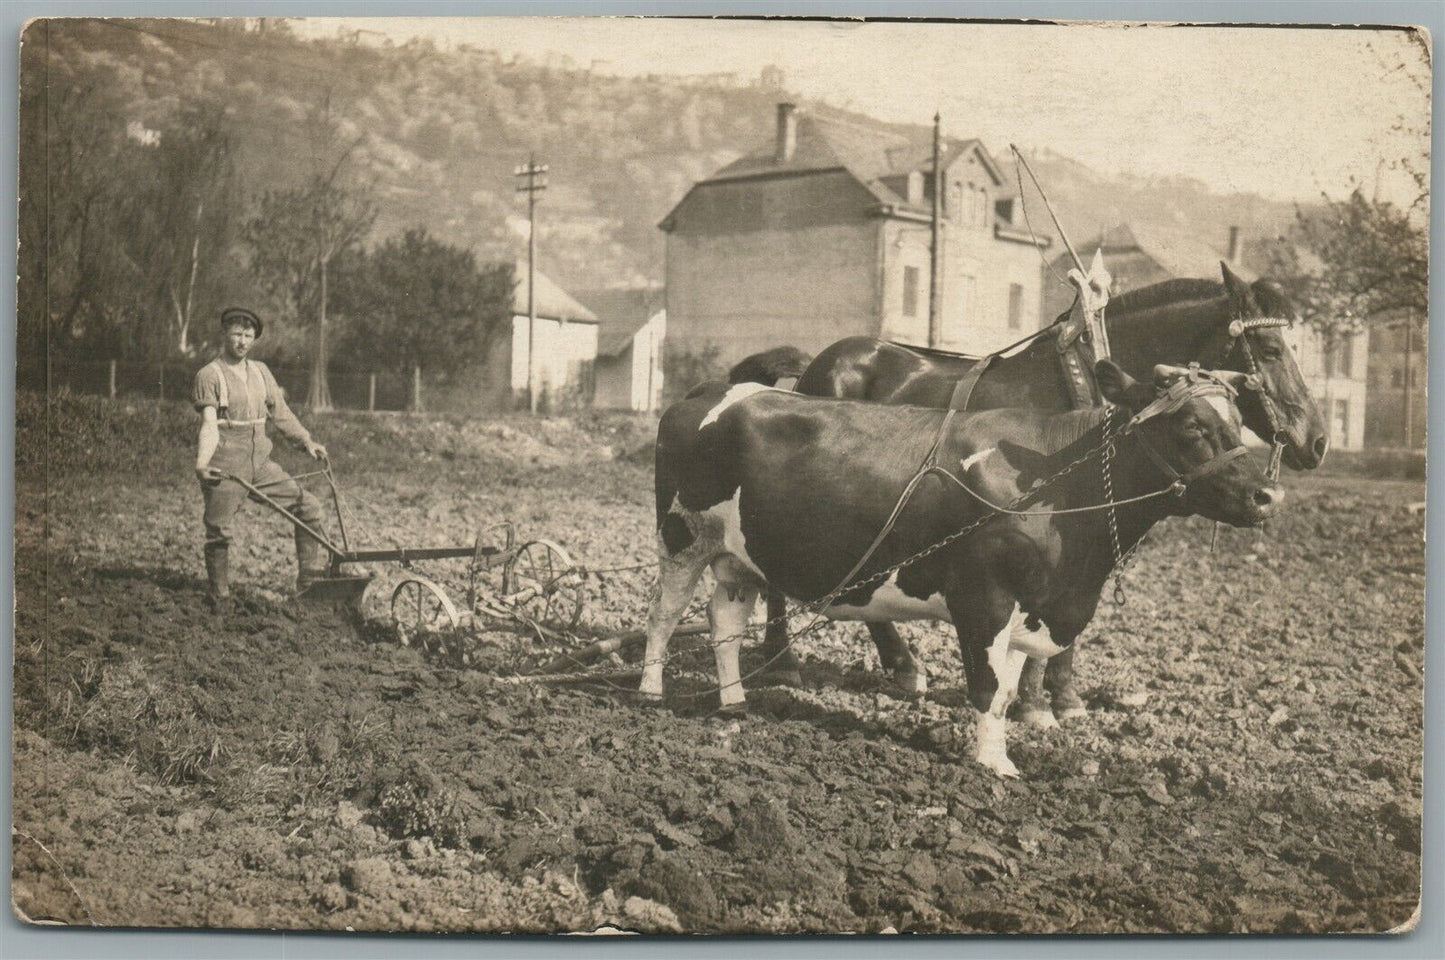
{"type": "Point", "coordinates": [438, 133]}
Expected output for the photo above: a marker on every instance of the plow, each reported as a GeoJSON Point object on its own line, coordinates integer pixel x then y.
{"type": "Point", "coordinates": [525, 585]}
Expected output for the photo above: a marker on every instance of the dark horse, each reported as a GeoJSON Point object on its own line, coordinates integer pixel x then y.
{"type": "Point", "coordinates": [1174, 322]}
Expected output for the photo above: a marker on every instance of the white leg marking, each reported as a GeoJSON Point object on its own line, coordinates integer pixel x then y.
{"type": "Point", "coordinates": [740, 392]}
{"type": "Point", "coordinates": [730, 611]}
{"type": "Point", "coordinates": [676, 580]}
{"type": "Point", "coordinates": [992, 727]}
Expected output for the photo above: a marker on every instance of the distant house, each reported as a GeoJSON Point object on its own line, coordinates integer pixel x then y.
{"type": "Point", "coordinates": [1396, 415]}
{"type": "Point", "coordinates": [565, 341]}
{"type": "Point", "coordinates": [825, 232]}
{"type": "Point", "coordinates": [631, 326]}
{"type": "Point", "coordinates": [1138, 255]}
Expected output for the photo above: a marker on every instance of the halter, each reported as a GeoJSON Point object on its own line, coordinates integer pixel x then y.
{"type": "Point", "coordinates": [1193, 383]}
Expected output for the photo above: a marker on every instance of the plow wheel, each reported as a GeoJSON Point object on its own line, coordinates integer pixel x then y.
{"type": "Point", "coordinates": [543, 585]}
{"type": "Point", "coordinates": [421, 611]}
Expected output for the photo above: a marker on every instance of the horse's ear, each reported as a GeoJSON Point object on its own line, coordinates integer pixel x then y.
{"type": "Point", "coordinates": [1118, 387]}
{"type": "Point", "coordinates": [1238, 289]}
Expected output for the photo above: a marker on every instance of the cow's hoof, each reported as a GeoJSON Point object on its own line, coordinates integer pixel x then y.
{"type": "Point", "coordinates": [912, 684]}
{"type": "Point", "coordinates": [1041, 718]}
{"type": "Point", "coordinates": [648, 699]}
{"type": "Point", "coordinates": [1069, 706]}
{"type": "Point", "coordinates": [781, 678]}
{"type": "Point", "coordinates": [739, 709]}
{"type": "Point", "coordinates": [1072, 713]}
{"type": "Point", "coordinates": [1001, 765]}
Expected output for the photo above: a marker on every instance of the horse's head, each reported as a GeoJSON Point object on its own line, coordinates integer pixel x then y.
{"type": "Point", "coordinates": [1261, 350]}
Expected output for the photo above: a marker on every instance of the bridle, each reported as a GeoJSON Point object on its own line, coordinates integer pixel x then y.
{"type": "Point", "coordinates": [1237, 332]}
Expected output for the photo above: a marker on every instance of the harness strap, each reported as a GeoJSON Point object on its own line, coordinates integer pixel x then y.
{"type": "Point", "coordinates": [1212, 465]}
{"type": "Point", "coordinates": [1075, 367]}
{"type": "Point", "coordinates": [963, 390]}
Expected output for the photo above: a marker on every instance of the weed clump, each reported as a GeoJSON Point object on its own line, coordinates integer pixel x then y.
{"type": "Point", "coordinates": [417, 804]}
{"type": "Point", "coordinates": [153, 722]}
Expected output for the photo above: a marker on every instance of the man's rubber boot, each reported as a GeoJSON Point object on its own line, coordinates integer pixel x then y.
{"type": "Point", "coordinates": [308, 561]}
{"type": "Point", "coordinates": [218, 596]}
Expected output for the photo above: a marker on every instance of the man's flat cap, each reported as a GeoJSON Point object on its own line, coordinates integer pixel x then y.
{"type": "Point", "coordinates": [232, 315]}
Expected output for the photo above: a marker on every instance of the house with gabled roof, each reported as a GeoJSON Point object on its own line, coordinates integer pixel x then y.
{"type": "Point", "coordinates": [565, 341]}
{"type": "Point", "coordinates": [1140, 254]}
{"type": "Point", "coordinates": [825, 232]}
{"type": "Point", "coordinates": [632, 323]}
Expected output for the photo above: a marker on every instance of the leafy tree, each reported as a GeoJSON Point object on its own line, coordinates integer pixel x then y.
{"type": "Point", "coordinates": [1350, 264]}
{"type": "Point", "coordinates": [684, 369]}
{"type": "Point", "coordinates": [416, 301]}
{"type": "Point", "coordinates": [293, 237]}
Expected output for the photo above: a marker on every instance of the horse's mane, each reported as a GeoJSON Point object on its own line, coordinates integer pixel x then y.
{"type": "Point", "coordinates": [1166, 291]}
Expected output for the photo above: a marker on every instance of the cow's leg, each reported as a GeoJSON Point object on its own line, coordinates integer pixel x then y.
{"type": "Point", "coordinates": [1034, 705]}
{"type": "Point", "coordinates": [894, 655]}
{"type": "Point", "coordinates": [677, 579]}
{"type": "Point", "coordinates": [1059, 679]}
{"type": "Point", "coordinates": [780, 663]}
{"type": "Point", "coordinates": [985, 619]}
{"type": "Point", "coordinates": [729, 611]}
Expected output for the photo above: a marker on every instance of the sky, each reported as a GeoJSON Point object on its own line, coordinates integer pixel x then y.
{"type": "Point", "coordinates": [1284, 112]}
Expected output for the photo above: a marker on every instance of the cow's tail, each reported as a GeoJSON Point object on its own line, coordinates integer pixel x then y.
{"type": "Point", "coordinates": [770, 366]}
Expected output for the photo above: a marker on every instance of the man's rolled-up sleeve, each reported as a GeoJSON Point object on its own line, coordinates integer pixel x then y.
{"type": "Point", "coordinates": [207, 389]}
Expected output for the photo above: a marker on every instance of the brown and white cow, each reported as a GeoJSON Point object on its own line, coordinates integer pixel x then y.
{"type": "Point", "coordinates": [770, 487]}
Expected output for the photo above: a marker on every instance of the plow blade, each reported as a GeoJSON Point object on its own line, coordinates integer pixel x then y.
{"type": "Point", "coordinates": [340, 589]}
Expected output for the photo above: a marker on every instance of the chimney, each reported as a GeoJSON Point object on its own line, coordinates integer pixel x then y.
{"type": "Point", "coordinates": [1234, 245]}
{"type": "Point", "coordinates": [787, 132]}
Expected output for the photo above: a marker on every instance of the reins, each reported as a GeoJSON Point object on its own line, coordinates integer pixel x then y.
{"type": "Point", "coordinates": [1192, 384]}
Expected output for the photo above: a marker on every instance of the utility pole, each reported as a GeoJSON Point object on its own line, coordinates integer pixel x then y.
{"type": "Point", "coordinates": [535, 183]}
{"type": "Point", "coordinates": [935, 259]}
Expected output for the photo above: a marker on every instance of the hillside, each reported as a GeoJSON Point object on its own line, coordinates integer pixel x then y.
{"type": "Point", "coordinates": [437, 134]}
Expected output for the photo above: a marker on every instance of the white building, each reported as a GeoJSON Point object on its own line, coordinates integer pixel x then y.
{"type": "Point", "coordinates": [632, 327]}
{"type": "Point", "coordinates": [565, 342]}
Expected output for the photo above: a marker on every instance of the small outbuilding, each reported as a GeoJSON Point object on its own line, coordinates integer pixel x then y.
{"type": "Point", "coordinates": [632, 324]}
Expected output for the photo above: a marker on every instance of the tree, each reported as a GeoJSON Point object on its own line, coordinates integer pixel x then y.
{"type": "Point", "coordinates": [293, 238]}
{"type": "Point", "coordinates": [180, 216]}
{"type": "Point", "coordinates": [416, 301]}
{"type": "Point", "coordinates": [1349, 264]}
{"type": "Point", "coordinates": [1355, 264]}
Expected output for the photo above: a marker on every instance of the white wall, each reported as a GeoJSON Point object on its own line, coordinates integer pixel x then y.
{"type": "Point", "coordinates": [565, 351]}
{"type": "Point", "coordinates": [1341, 396]}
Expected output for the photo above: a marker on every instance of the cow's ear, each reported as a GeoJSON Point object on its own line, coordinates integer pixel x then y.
{"type": "Point", "coordinates": [1120, 388]}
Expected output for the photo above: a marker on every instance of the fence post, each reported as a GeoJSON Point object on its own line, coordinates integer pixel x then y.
{"type": "Point", "coordinates": [371, 394]}
{"type": "Point", "coordinates": [416, 389]}
{"type": "Point", "coordinates": [112, 378]}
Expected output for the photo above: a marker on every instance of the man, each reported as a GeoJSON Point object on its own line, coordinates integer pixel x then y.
{"type": "Point", "coordinates": [235, 397]}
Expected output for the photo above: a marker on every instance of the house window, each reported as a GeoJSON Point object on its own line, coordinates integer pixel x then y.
{"type": "Point", "coordinates": [1339, 358]}
{"type": "Point", "coordinates": [1015, 306]}
{"type": "Point", "coordinates": [969, 298]}
{"type": "Point", "coordinates": [980, 207]}
{"type": "Point", "coordinates": [1340, 423]}
{"type": "Point", "coordinates": [910, 291]}
{"type": "Point", "coordinates": [1397, 377]}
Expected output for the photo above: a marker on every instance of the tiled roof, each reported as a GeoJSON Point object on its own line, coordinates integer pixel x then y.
{"type": "Point", "coordinates": [1179, 252]}
{"type": "Point", "coordinates": [870, 152]}
{"type": "Point", "coordinates": [621, 313]}
{"type": "Point", "coordinates": [553, 302]}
